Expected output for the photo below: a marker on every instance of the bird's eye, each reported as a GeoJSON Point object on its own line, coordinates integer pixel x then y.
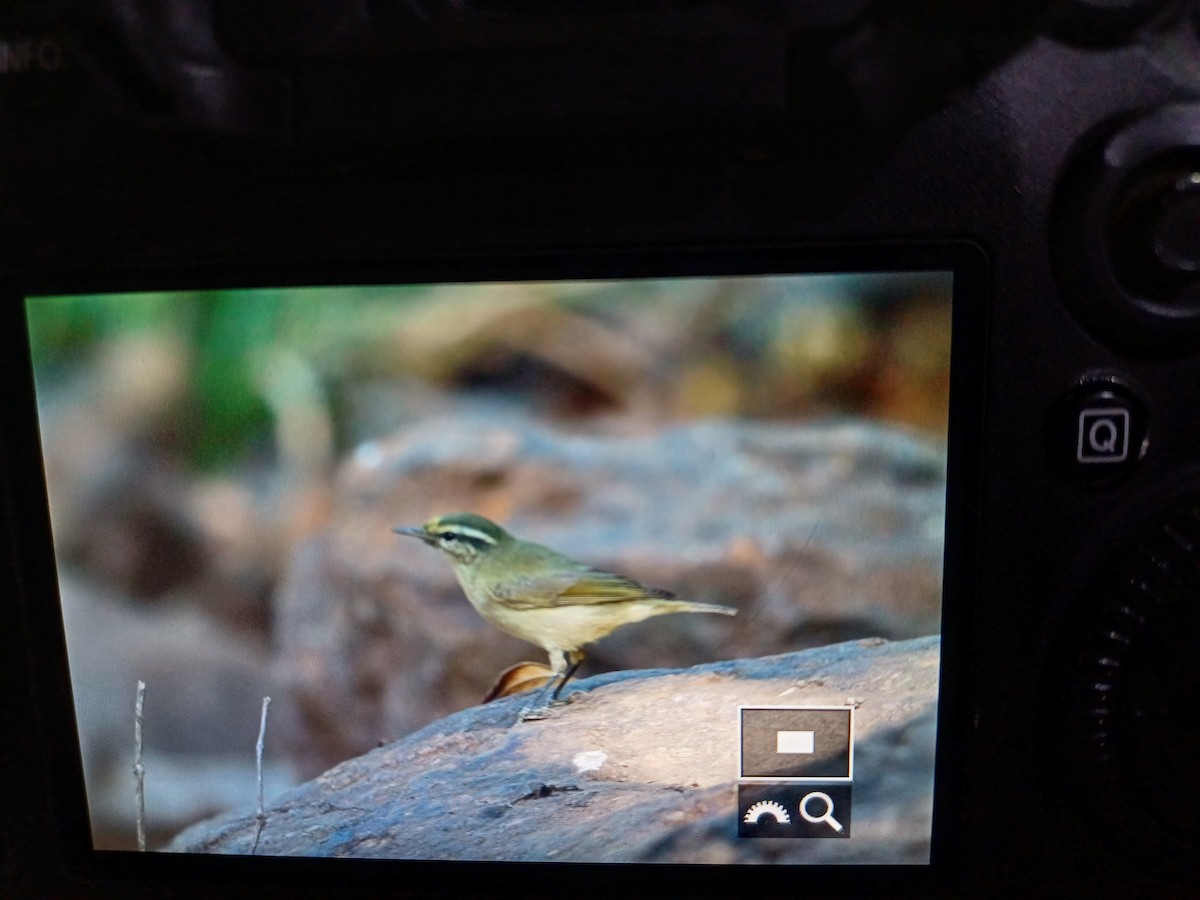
{"type": "Point", "coordinates": [449, 536]}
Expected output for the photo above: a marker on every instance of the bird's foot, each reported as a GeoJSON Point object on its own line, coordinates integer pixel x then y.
{"type": "Point", "coordinates": [532, 713]}
{"type": "Point", "coordinates": [536, 711]}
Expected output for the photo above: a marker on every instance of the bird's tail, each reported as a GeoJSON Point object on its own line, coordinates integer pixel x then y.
{"type": "Point", "coordinates": [661, 606]}
{"type": "Point", "coordinates": [689, 606]}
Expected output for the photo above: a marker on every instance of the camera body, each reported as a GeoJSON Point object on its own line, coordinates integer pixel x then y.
{"type": "Point", "coordinates": [1063, 143]}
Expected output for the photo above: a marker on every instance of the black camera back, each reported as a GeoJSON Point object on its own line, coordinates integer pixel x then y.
{"type": "Point", "coordinates": [1061, 140]}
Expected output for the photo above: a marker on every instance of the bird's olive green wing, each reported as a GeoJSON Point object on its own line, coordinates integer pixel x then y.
{"type": "Point", "coordinates": [582, 587]}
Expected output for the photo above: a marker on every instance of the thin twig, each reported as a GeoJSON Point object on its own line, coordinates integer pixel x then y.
{"type": "Point", "coordinates": [139, 770]}
{"type": "Point", "coordinates": [258, 752]}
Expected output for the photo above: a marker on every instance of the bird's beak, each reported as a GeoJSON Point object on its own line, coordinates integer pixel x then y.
{"type": "Point", "coordinates": [419, 533]}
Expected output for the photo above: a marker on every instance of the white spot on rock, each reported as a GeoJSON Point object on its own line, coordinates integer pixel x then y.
{"type": "Point", "coordinates": [589, 760]}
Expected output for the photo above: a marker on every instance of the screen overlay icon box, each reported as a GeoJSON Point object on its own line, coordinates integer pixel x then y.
{"type": "Point", "coordinates": [813, 743]}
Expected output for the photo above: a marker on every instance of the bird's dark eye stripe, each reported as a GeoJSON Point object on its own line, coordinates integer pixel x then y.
{"type": "Point", "coordinates": [462, 535]}
{"type": "Point", "coordinates": [455, 537]}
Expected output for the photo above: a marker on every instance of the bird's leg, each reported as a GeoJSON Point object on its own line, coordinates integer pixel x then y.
{"type": "Point", "coordinates": [574, 659]}
{"type": "Point", "coordinates": [563, 665]}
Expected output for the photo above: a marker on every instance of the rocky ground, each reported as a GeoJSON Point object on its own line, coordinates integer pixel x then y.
{"type": "Point", "coordinates": [638, 767]}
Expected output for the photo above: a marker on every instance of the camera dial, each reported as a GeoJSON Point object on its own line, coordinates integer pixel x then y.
{"type": "Point", "coordinates": [1127, 234]}
{"type": "Point", "coordinates": [1129, 701]}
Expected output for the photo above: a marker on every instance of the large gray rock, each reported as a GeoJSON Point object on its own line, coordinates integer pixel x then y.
{"type": "Point", "coordinates": [818, 533]}
{"type": "Point", "coordinates": [639, 767]}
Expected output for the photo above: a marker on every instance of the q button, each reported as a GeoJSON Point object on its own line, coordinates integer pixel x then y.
{"type": "Point", "coordinates": [1100, 430]}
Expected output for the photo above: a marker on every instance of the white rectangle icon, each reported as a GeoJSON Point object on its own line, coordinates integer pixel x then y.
{"type": "Point", "coordinates": [794, 741]}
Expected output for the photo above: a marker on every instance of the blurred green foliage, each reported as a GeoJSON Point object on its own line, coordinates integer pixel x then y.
{"type": "Point", "coordinates": [60, 328]}
{"type": "Point", "coordinates": [229, 410]}
{"type": "Point", "coordinates": [225, 333]}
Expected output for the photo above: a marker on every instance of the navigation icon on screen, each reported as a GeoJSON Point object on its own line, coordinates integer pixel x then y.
{"type": "Point", "coordinates": [794, 810]}
{"type": "Point", "coordinates": [766, 811]}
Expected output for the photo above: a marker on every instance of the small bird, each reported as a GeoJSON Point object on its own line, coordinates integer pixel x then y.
{"type": "Point", "coordinates": [543, 596]}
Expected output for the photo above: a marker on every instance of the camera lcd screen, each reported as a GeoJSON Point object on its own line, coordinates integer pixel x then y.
{"type": "Point", "coordinates": [403, 513]}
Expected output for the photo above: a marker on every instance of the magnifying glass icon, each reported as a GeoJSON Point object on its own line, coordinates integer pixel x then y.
{"type": "Point", "coordinates": [826, 816]}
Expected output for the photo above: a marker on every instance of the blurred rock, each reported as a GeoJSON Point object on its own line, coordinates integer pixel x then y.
{"type": "Point", "coordinates": [133, 518]}
{"type": "Point", "coordinates": [756, 347]}
{"type": "Point", "coordinates": [638, 767]}
{"type": "Point", "coordinates": [93, 423]}
{"type": "Point", "coordinates": [817, 533]}
{"type": "Point", "coordinates": [521, 341]}
{"type": "Point", "coordinates": [133, 531]}
{"type": "Point", "coordinates": [204, 690]}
